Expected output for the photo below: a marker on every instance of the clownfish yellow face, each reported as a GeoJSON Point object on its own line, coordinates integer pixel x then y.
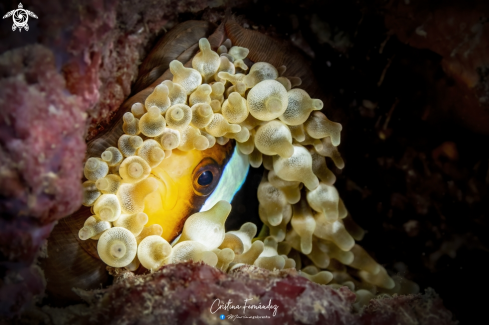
{"type": "Point", "coordinates": [189, 180]}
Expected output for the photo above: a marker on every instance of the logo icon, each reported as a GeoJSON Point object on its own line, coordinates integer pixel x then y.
{"type": "Point", "coordinates": [222, 316]}
{"type": "Point", "coordinates": [20, 17]}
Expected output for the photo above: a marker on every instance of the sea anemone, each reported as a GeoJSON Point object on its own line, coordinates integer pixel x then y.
{"type": "Point", "coordinates": [273, 122]}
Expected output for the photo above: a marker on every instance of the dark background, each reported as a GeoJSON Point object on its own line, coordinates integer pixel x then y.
{"type": "Point", "coordinates": [416, 175]}
{"type": "Point", "coordinates": [417, 183]}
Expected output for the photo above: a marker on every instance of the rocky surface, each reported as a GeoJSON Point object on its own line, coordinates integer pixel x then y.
{"type": "Point", "coordinates": [190, 293]}
{"type": "Point", "coordinates": [60, 84]}
{"type": "Point", "coordinates": [41, 146]}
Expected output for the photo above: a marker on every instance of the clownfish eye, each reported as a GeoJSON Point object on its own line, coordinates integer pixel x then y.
{"type": "Point", "coordinates": [205, 178]}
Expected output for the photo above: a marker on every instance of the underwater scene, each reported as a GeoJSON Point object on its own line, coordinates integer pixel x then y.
{"type": "Point", "coordinates": [244, 162]}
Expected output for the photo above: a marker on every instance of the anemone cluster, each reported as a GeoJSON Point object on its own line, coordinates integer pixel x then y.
{"type": "Point", "coordinates": [276, 124]}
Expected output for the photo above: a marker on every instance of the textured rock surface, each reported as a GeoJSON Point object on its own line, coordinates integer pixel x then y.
{"type": "Point", "coordinates": [42, 142]}
{"type": "Point", "coordinates": [41, 148]}
{"type": "Point", "coordinates": [60, 83]}
{"type": "Point", "coordinates": [184, 294]}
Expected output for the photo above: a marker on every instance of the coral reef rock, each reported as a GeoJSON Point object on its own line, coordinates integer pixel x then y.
{"type": "Point", "coordinates": [187, 293]}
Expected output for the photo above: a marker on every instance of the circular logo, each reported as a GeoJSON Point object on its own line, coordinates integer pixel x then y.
{"type": "Point", "coordinates": [222, 316]}
{"type": "Point", "coordinates": [20, 17]}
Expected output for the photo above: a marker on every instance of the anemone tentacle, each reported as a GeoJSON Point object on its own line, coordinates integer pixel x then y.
{"type": "Point", "coordinates": [135, 175]}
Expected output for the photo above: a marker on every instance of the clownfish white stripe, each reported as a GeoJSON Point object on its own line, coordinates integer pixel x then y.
{"type": "Point", "coordinates": [233, 177]}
